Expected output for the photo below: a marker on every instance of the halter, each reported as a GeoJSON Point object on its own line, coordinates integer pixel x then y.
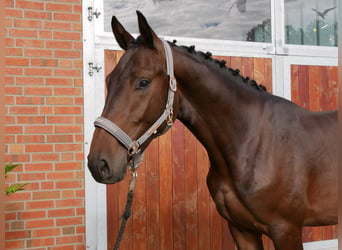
{"type": "Point", "coordinates": [134, 151]}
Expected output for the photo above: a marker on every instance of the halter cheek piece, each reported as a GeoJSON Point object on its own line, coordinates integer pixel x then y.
{"type": "Point", "coordinates": [133, 146]}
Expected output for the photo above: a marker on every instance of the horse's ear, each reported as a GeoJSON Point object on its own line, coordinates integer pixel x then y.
{"type": "Point", "coordinates": [146, 31]}
{"type": "Point", "coordinates": [121, 35]}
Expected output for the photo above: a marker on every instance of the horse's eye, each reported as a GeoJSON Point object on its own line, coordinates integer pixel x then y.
{"type": "Point", "coordinates": [143, 83]}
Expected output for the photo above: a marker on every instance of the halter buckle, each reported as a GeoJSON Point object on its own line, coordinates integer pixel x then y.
{"type": "Point", "coordinates": [133, 149]}
{"type": "Point", "coordinates": [173, 84]}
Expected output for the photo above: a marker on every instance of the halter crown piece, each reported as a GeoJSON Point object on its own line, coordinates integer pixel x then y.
{"type": "Point", "coordinates": [133, 146]}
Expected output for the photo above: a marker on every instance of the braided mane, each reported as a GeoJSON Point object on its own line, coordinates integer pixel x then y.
{"type": "Point", "coordinates": [222, 64]}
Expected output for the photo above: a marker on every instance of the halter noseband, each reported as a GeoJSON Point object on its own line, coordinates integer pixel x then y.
{"type": "Point", "coordinates": [133, 146]}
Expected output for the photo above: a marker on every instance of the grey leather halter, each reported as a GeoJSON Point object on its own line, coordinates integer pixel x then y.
{"type": "Point", "coordinates": [133, 146]}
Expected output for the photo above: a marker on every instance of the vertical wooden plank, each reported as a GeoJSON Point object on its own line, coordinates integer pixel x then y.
{"type": "Point", "coordinates": [165, 175]}
{"type": "Point", "coordinates": [259, 70]}
{"type": "Point", "coordinates": [179, 212]}
{"type": "Point", "coordinates": [203, 196]}
{"type": "Point", "coordinates": [152, 197]}
{"type": "Point", "coordinates": [236, 62]}
{"type": "Point", "coordinates": [112, 214]}
{"type": "Point", "coordinates": [314, 88]}
{"type": "Point", "coordinates": [191, 190]}
{"type": "Point", "coordinates": [333, 86]}
{"type": "Point", "coordinates": [303, 88]}
{"type": "Point", "coordinates": [324, 88]}
{"type": "Point", "coordinates": [268, 74]}
{"type": "Point", "coordinates": [127, 239]}
{"type": "Point", "coordinates": [294, 84]}
{"type": "Point", "coordinates": [247, 67]}
{"type": "Point", "coordinates": [139, 208]}
{"type": "Point", "coordinates": [215, 226]}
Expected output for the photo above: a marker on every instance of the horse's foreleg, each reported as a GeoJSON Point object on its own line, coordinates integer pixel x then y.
{"type": "Point", "coordinates": [246, 240]}
{"type": "Point", "coordinates": [286, 236]}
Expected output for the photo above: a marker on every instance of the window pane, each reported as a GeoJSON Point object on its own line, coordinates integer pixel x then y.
{"type": "Point", "coordinates": [311, 22]}
{"type": "Point", "coordinates": [239, 20]}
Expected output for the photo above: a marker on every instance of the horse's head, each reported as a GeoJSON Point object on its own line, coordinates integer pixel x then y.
{"type": "Point", "coordinates": [138, 96]}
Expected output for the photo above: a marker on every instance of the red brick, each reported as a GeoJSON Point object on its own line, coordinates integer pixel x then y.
{"type": "Point", "coordinates": [38, 129]}
{"type": "Point", "coordinates": [29, 100]}
{"type": "Point", "coordinates": [37, 233]}
{"type": "Point", "coordinates": [59, 138]}
{"type": "Point", "coordinates": [41, 204]}
{"type": "Point", "coordinates": [68, 147]}
{"type": "Point", "coordinates": [16, 13]}
{"type": "Point", "coordinates": [39, 242]}
{"type": "Point", "coordinates": [14, 51]}
{"type": "Point", "coordinates": [13, 206]}
{"type": "Point", "coordinates": [57, 26]}
{"type": "Point", "coordinates": [67, 17]}
{"type": "Point", "coordinates": [27, 23]}
{"type": "Point", "coordinates": [59, 100]}
{"type": "Point", "coordinates": [59, 7]}
{"type": "Point", "coordinates": [61, 175]}
{"type": "Point", "coordinates": [64, 247]}
{"type": "Point", "coordinates": [69, 221]}
{"type": "Point", "coordinates": [45, 195]}
{"type": "Point", "coordinates": [69, 239]}
{"type": "Point", "coordinates": [15, 235]}
{"type": "Point", "coordinates": [38, 72]}
{"type": "Point", "coordinates": [28, 215]}
{"type": "Point", "coordinates": [25, 4]}
{"type": "Point", "coordinates": [13, 129]}
{"type": "Point", "coordinates": [38, 148]}
{"type": "Point", "coordinates": [67, 54]}
{"type": "Point", "coordinates": [30, 80]}
{"type": "Point", "coordinates": [38, 91]}
{"type": "Point", "coordinates": [31, 33]}
{"type": "Point", "coordinates": [45, 110]}
{"type": "Point", "coordinates": [44, 62]}
{"type": "Point", "coordinates": [61, 35]}
{"type": "Point", "coordinates": [61, 212]}
{"type": "Point", "coordinates": [70, 203]}
{"type": "Point", "coordinates": [14, 244]}
{"type": "Point", "coordinates": [17, 225]}
{"type": "Point", "coordinates": [32, 177]}
{"type": "Point", "coordinates": [32, 14]}
{"type": "Point", "coordinates": [13, 90]}
{"type": "Point", "coordinates": [23, 110]}
{"type": "Point", "coordinates": [59, 45]}
{"type": "Point", "coordinates": [45, 157]}
{"type": "Point", "coordinates": [68, 91]}
{"type": "Point", "coordinates": [30, 139]}
{"type": "Point", "coordinates": [60, 120]}
{"type": "Point", "coordinates": [38, 52]}
{"type": "Point", "coordinates": [29, 43]}
{"type": "Point", "coordinates": [38, 167]}
{"type": "Point", "coordinates": [68, 166]}
{"type": "Point", "coordinates": [70, 110]}
{"type": "Point", "coordinates": [68, 129]}
{"type": "Point", "coordinates": [68, 184]}
{"type": "Point", "coordinates": [34, 119]}
{"type": "Point", "coordinates": [59, 81]}
{"type": "Point", "coordinates": [16, 61]}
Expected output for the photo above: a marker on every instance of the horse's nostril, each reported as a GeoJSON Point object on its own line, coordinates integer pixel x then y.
{"type": "Point", "coordinates": [105, 170]}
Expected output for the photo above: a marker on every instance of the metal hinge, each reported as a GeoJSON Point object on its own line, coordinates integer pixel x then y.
{"type": "Point", "coordinates": [93, 68]}
{"type": "Point", "coordinates": [91, 13]}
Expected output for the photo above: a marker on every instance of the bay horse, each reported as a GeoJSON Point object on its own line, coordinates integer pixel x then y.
{"type": "Point", "coordinates": [273, 164]}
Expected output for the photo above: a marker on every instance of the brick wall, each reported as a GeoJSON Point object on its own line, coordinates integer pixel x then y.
{"type": "Point", "coordinates": [44, 124]}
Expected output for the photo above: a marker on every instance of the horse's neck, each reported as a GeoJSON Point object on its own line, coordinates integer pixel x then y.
{"type": "Point", "coordinates": [218, 113]}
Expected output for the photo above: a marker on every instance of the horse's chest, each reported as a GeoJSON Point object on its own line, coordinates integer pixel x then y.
{"type": "Point", "coordinates": [230, 206]}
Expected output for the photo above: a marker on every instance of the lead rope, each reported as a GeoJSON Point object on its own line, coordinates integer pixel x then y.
{"type": "Point", "coordinates": [128, 208]}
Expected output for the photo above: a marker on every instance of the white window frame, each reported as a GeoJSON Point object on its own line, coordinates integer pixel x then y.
{"type": "Point", "coordinates": [96, 41]}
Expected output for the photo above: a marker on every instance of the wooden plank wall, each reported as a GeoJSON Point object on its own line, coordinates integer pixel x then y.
{"type": "Point", "coordinates": [315, 88]}
{"type": "Point", "coordinates": [172, 207]}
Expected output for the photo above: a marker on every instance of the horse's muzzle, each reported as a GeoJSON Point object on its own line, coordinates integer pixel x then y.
{"type": "Point", "coordinates": [102, 172]}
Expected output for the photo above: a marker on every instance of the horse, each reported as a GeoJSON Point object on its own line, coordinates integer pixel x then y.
{"type": "Point", "coordinates": [273, 165]}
